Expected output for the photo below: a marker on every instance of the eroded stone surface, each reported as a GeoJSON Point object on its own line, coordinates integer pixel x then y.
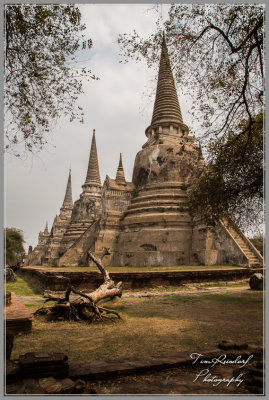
{"type": "Point", "coordinates": [146, 222]}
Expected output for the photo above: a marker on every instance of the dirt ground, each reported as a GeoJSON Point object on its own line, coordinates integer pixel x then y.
{"type": "Point", "coordinates": [191, 380]}
{"type": "Point", "coordinates": [174, 381]}
{"type": "Point", "coordinates": [151, 325]}
{"type": "Point", "coordinates": [194, 318]}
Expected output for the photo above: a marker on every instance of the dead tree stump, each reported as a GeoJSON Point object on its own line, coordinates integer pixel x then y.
{"type": "Point", "coordinates": [85, 306]}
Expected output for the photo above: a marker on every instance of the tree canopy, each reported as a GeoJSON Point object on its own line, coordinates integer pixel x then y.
{"type": "Point", "coordinates": [14, 245]}
{"type": "Point", "coordinates": [216, 53]}
{"type": "Point", "coordinates": [40, 85]}
{"type": "Point", "coordinates": [232, 181]}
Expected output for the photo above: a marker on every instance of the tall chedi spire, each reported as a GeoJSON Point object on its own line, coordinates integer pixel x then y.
{"type": "Point", "coordinates": [120, 177]}
{"type": "Point", "coordinates": [68, 202]}
{"type": "Point", "coordinates": [86, 210]}
{"type": "Point", "coordinates": [46, 231]}
{"type": "Point", "coordinates": [93, 175]}
{"type": "Point", "coordinates": [166, 111]}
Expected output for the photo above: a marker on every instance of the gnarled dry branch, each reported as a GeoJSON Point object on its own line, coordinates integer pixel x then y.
{"type": "Point", "coordinates": [84, 307]}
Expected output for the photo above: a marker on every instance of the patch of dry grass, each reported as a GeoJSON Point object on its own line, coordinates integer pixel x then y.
{"type": "Point", "coordinates": [151, 326]}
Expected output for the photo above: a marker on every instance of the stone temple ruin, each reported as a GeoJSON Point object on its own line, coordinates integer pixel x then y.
{"type": "Point", "coordinates": [144, 222]}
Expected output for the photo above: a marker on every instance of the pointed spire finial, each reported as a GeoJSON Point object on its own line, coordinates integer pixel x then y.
{"type": "Point", "coordinates": [93, 175]}
{"type": "Point", "coordinates": [46, 228]}
{"type": "Point", "coordinates": [68, 201]}
{"type": "Point", "coordinates": [166, 107]}
{"type": "Point", "coordinates": [120, 177]}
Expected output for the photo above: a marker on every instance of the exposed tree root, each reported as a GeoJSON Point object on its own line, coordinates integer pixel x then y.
{"type": "Point", "coordinates": [84, 308]}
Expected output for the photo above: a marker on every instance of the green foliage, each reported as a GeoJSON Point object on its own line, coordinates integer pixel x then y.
{"type": "Point", "coordinates": [40, 82]}
{"type": "Point", "coordinates": [216, 51]}
{"type": "Point", "coordinates": [232, 182]}
{"type": "Point", "coordinates": [14, 245]}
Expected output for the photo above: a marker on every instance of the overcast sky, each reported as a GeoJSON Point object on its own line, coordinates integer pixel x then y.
{"type": "Point", "coordinates": [116, 106]}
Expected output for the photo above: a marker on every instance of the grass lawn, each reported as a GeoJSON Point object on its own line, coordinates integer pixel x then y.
{"type": "Point", "coordinates": [139, 269]}
{"type": "Point", "coordinates": [151, 326]}
{"type": "Point", "coordinates": [21, 288]}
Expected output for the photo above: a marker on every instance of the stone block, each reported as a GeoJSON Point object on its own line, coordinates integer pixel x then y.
{"type": "Point", "coordinates": [17, 317]}
{"type": "Point", "coordinates": [120, 368]}
{"type": "Point", "coordinates": [43, 364]}
{"type": "Point", "coordinates": [88, 371]}
{"type": "Point", "coordinates": [31, 386]}
{"type": "Point", "coordinates": [36, 359]}
{"type": "Point", "coordinates": [50, 385]}
{"type": "Point", "coordinates": [80, 385]}
{"type": "Point", "coordinates": [256, 281]}
{"type": "Point", "coordinates": [68, 386]}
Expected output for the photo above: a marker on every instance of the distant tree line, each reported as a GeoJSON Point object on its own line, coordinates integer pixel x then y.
{"type": "Point", "coordinates": [14, 249]}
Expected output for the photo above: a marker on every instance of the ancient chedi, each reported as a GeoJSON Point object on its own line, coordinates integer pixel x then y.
{"type": "Point", "coordinates": [50, 244]}
{"type": "Point", "coordinates": [146, 222]}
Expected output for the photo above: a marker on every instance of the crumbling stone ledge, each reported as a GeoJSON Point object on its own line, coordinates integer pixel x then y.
{"type": "Point", "coordinates": [44, 279]}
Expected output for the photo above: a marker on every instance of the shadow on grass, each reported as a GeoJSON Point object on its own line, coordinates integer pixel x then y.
{"type": "Point", "coordinates": [21, 287]}
{"type": "Point", "coordinates": [150, 326]}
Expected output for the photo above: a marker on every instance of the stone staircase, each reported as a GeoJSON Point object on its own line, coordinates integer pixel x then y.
{"type": "Point", "coordinates": [76, 254]}
{"type": "Point", "coordinates": [255, 259]}
{"type": "Point", "coordinates": [76, 229]}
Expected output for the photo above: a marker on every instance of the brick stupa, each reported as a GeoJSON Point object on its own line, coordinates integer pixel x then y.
{"type": "Point", "coordinates": [145, 222]}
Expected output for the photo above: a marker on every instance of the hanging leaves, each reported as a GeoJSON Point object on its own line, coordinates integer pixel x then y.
{"type": "Point", "coordinates": [39, 85]}
{"type": "Point", "coordinates": [217, 56]}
